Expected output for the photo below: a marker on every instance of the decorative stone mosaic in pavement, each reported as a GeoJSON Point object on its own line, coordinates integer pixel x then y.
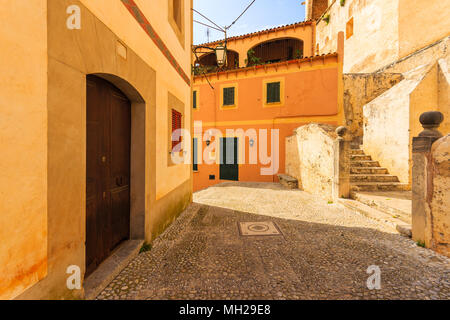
{"type": "Point", "coordinates": [322, 252]}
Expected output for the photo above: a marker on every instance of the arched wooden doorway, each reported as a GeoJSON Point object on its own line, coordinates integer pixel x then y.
{"type": "Point", "coordinates": [107, 170]}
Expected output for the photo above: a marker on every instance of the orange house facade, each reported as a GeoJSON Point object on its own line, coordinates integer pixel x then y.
{"type": "Point", "coordinates": [272, 84]}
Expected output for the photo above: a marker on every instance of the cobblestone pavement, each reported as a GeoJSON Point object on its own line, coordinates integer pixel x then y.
{"type": "Point", "coordinates": [323, 253]}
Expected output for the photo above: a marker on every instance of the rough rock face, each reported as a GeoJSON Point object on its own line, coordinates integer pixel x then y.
{"type": "Point", "coordinates": [440, 202]}
{"type": "Point", "coordinates": [309, 158]}
{"type": "Point", "coordinates": [360, 89]}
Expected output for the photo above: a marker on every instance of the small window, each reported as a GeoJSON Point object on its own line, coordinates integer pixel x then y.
{"type": "Point", "coordinates": [273, 92]}
{"type": "Point", "coordinates": [177, 13]}
{"type": "Point", "coordinates": [349, 29]}
{"type": "Point", "coordinates": [194, 100]}
{"type": "Point", "coordinates": [228, 96]}
{"type": "Point", "coordinates": [194, 155]}
{"type": "Point", "coordinates": [176, 124]}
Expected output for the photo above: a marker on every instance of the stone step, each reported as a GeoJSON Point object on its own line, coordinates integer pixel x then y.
{"type": "Point", "coordinates": [364, 163]}
{"type": "Point", "coordinates": [360, 157]}
{"type": "Point", "coordinates": [395, 203]}
{"type": "Point", "coordinates": [357, 151]}
{"type": "Point", "coordinates": [379, 186]}
{"type": "Point", "coordinates": [368, 170]}
{"type": "Point", "coordinates": [373, 178]}
{"type": "Point", "coordinates": [372, 213]}
{"type": "Point", "coordinates": [288, 181]}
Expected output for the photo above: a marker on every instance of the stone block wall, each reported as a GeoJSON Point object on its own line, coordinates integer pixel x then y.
{"type": "Point", "coordinates": [440, 200]}
{"type": "Point", "coordinates": [310, 158]}
{"type": "Point", "coordinates": [360, 89]}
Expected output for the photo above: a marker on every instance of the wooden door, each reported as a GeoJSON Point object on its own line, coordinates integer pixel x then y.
{"type": "Point", "coordinates": [229, 167]}
{"type": "Point", "coordinates": [107, 170]}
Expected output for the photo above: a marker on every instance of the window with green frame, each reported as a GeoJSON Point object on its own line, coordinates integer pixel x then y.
{"type": "Point", "coordinates": [228, 96]}
{"type": "Point", "coordinates": [194, 155]}
{"type": "Point", "coordinates": [194, 100]}
{"type": "Point", "coordinates": [273, 92]}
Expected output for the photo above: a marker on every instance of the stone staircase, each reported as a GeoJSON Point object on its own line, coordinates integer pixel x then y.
{"type": "Point", "coordinates": [367, 175]}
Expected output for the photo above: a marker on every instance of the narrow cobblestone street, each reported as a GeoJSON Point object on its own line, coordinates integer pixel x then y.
{"type": "Point", "coordinates": [322, 252]}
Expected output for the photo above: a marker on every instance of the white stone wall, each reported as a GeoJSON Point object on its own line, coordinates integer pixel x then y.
{"type": "Point", "coordinates": [387, 125]}
{"type": "Point", "coordinates": [374, 43]}
{"type": "Point", "coordinates": [309, 158]}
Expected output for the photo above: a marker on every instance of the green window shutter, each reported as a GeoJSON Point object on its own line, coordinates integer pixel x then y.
{"type": "Point", "coordinates": [228, 96]}
{"type": "Point", "coordinates": [194, 155]}
{"type": "Point", "coordinates": [273, 92]}
{"type": "Point", "coordinates": [194, 98]}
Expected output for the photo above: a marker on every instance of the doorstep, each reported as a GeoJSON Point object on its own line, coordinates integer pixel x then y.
{"type": "Point", "coordinates": [110, 268]}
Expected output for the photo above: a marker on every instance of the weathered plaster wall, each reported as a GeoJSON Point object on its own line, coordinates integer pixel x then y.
{"type": "Point", "coordinates": [145, 77]}
{"type": "Point", "coordinates": [421, 23]}
{"type": "Point", "coordinates": [23, 141]}
{"type": "Point", "coordinates": [440, 201]}
{"type": "Point", "coordinates": [427, 55]}
{"type": "Point", "coordinates": [374, 42]}
{"type": "Point", "coordinates": [386, 129]}
{"type": "Point", "coordinates": [444, 92]}
{"type": "Point", "coordinates": [361, 88]}
{"type": "Point", "coordinates": [310, 158]}
{"type": "Point", "coordinates": [115, 16]}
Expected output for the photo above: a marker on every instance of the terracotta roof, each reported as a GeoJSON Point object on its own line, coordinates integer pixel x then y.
{"type": "Point", "coordinates": [248, 35]}
{"type": "Point", "coordinates": [260, 66]}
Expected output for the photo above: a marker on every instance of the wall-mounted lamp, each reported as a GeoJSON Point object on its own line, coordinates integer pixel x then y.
{"type": "Point", "coordinates": [221, 55]}
{"type": "Point", "coordinates": [252, 142]}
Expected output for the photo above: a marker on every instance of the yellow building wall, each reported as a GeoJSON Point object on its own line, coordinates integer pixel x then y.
{"type": "Point", "coordinates": [112, 13]}
{"type": "Point", "coordinates": [52, 186]}
{"type": "Point", "coordinates": [23, 141]}
{"type": "Point", "coordinates": [421, 23]}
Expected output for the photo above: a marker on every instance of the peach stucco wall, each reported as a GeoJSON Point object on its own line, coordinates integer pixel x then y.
{"type": "Point", "coordinates": [311, 94]}
{"type": "Point", "coordinates": [23, 141]}
{"type": "Point", "coordinates": [43, 124]}
{"type": "Point", "coordinates": [119, 20]}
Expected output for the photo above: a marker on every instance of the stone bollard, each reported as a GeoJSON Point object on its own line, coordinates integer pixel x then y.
{"type": "Point", "coordinates": [422, 176]}
{"type": "Point", "coordinates": [341, 179]}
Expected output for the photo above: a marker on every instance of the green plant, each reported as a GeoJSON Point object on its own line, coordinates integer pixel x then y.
{"type": "Point", "coordinates": [327, 18]}
{"type": "Point", "coordinates": [330, 202]}
{"type": "Point", "coordinates": [421, 243]}
{"type": "Point", "coordinates": [145, 247]}
{"type": "Point", "coordinates": [252, 59]}
{"type": "Point", "coordinates": [342, 3]}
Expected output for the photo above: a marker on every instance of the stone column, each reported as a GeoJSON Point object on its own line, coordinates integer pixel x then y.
{"type": "Point", "coordinates": [341, 179]}
{"type": "Point", "coordinates": [422, 175]}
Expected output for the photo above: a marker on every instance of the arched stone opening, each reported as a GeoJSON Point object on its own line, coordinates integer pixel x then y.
{"type": "Point", "coordinates": [209, 61]}
{"type": "Point", "coordinates": [276, 50]}
{"type": "Point", "coordinates": [115, 185]}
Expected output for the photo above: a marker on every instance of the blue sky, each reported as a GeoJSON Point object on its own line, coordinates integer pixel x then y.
{"type": "Point", "coordinates": [263, 14]}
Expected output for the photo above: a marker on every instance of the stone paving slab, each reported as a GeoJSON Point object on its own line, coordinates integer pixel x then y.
{"type": "Point", "coordinates": [323, 252]}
